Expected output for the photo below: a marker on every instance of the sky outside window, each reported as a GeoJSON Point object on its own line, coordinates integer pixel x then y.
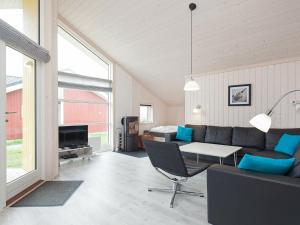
{"type": "Point", "coordinates": [14, 60]}
{"type": "Point", "coordinates": [73, 57]}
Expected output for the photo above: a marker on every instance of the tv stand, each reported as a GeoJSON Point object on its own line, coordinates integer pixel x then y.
{"type": "Point", "coordinates": [83, 152]}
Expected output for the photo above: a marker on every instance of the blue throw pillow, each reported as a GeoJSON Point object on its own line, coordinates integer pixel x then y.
{"type": "Point", "coordinates": [266, 165]}
{"type": "Point", "coordinates": [184, 134]}
{"type": "Point", "coordinates": [288, 144]}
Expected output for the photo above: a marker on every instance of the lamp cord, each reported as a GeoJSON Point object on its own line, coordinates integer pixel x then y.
{"type": "Point", "coordinates": [269, 112]}
{"type": "Point", "coordinates": [191, 43]}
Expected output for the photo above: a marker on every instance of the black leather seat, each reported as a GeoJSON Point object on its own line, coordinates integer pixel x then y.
{"type": "Point", "coordinates": [240, 197]}
{"type": "Point", "coordinates": [194, 168]}
{"type": "Point", "coordinates": [272, 154]}
{"type": "Point", "coordinates": [180, 143]}
{"type": "Point", "coordinates": [251, 151]}
{"type": "Point", "coordinates": [167, 159]}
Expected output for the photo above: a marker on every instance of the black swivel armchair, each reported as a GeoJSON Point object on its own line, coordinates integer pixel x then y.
{"type": "Point", "coordinates": [167, 160]}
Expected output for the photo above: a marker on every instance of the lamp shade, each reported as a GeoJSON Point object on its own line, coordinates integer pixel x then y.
{"type": "Point", "coordinates": [191, 85]}
{"type": "Point", "coordinates": [262, 122]}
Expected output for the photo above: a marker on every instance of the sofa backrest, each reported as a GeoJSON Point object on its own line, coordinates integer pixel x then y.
{"type": "Point", "coordinates": [199, 132]}
{"type": "Point", "coordinates": [273, 136]}
{"type": "Point", "coordinates": [218, 135]}
{"type": "Point", "coordinates": [248, 137]}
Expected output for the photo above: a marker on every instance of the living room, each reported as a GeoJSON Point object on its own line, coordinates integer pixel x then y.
{"type": "Point", "coordinates": [149, 112]}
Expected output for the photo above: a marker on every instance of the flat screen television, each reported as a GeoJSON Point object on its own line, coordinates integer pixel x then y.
{"type": "Point", "coordinates": [73, 136]}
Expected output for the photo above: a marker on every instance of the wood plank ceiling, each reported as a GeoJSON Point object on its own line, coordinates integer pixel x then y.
{"type": "Point", "coordinates": [150, 38]}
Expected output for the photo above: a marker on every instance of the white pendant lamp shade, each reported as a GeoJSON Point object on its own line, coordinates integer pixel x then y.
{"type": "Point", "coordinates": [261, 122]}
{"type": "Point", "coordinates": [191, 85]}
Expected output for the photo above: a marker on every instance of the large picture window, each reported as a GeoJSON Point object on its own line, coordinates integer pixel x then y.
{"type": "Point", "coordinates": [84, 90]}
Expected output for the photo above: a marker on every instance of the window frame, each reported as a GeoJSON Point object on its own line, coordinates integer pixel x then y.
{"type": "Point", "coordinates": [85, 49]}
{"type": "Point", "coordinates": [62, 100]}
{"type": "Point", "coordinates": [148, 121]}
{"type": "Point", "coordinates": [88, 46]}
{"type": "Point", "coordinates": [76, 35]}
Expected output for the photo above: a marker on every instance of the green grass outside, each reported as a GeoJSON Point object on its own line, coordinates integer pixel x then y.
{"type": "Point", "coordinates": [14, 154]}
{"type": "Point", "coordinates": [14, 142]}
{"type": "Point", "coordinates": [14, 149]}
{"type": "Point", "coordinates": [102, 135]}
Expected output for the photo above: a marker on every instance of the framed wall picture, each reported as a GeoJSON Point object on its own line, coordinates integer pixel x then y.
{"type": "Point", "coordinates": [239, 95]}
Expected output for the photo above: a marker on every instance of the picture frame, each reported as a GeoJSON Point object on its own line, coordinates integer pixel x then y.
{"type": "Point", "coordinates": [239, 95]}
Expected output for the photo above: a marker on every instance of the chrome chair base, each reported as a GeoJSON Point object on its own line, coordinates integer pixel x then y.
{"type": "Point", "coordinates": [176, 189]}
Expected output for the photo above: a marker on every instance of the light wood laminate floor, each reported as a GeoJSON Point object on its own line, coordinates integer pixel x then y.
{"type": "Point", "coordinates": [114, 192]}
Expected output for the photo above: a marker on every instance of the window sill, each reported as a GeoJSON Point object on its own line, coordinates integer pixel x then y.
{"type": "Point", "coordinates": [146, 122]}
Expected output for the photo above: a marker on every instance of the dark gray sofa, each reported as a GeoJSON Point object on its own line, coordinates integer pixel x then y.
{"type": "Point", "coordinates": [253, 141]}
{"type": "Point", "coordinates": [240, 197]}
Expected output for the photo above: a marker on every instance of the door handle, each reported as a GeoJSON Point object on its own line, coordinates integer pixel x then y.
{"type": "Point", "coordinates": [7, 113]}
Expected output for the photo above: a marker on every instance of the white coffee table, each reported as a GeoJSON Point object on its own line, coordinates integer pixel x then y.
{"type": "Point", "coordinates": [220, 151]}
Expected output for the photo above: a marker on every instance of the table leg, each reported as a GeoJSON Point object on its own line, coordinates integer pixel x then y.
{"type": "Point", "coordinates": [197, 158]}
{"type": "Point", "coordinates": [221, 161]}
{"type": "Point", "coordinates": [235, 159]}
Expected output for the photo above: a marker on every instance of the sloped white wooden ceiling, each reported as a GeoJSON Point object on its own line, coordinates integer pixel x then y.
{"type": "Point", "coordinates": [150, 38]}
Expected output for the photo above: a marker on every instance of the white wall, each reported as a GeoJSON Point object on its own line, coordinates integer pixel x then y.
{"type": "Point", "coordinates": [175, 115]}
{"type": "Point", "coordinates": [122, 95]}
{"type": "Point", "coordinates": [129, 94]}
{"type": "Point", "coordinates": [269, 82]}
{"type": "Point", "coordinates": [47, 136]}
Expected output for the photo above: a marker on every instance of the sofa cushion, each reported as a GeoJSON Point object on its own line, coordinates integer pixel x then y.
{"type": "Point", "coordinates": [273, 136]}
{"type": "Point", "coordinates": [295, 170]}
{"type": "Point", "coordinates": [248, 137]}
{"type": "Point", "coordinates": [297, 153]}
{"type": "Point", "coordinates": [198, 132]}
{"type": "Point", "coordinates": [272, 154]}
{"type": "Point", "coordinates": [184, 134]}
{"type": "Point", "coordinates": [250, 151]}
{"type": "Point", "coordinates": [218, 135]}
{"type": "Point", "coordinates": [266, 165]}
{"type": "Point", "coordinates": [288, 144]}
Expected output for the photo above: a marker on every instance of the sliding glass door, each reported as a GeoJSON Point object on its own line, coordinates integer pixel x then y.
{"type": "Point", "coordinates": [18, 155]}
{"type": "Point", "coordinates": [20, 115]}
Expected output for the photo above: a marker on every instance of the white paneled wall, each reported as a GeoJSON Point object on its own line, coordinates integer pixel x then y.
{"type": "Point", "coordinates": [268, 84]}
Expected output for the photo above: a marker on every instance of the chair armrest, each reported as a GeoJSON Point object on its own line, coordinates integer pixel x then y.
{"type": "Point", "coordinates": [239, 197]}
{"type": "Point", "coordinates": [170, 137]}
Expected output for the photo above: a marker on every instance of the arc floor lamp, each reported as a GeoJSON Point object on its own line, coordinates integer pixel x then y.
{"type": "Point", "coordinates": [263, 121]}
